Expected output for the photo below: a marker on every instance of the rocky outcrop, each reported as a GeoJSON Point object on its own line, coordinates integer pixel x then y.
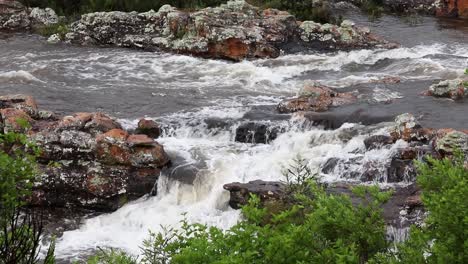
{"type": "Point", "coordinates": [454, 89]}
{"type": "Point", "coordinates": [235, 31]}
{"type": "Point", "coordinates": [148, 127]}
{"type": "Point", "coordinates": [316, 98]}
{"type": "Point", "coordinates": [86, 160]}
{"type": "Point", "coordinates": [16, 17]}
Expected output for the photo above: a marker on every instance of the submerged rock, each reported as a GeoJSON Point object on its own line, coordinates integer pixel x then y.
{"type": "Point", "coordinates": [235, 31]}
{"type": "Point", "coordinates": [86, 159]}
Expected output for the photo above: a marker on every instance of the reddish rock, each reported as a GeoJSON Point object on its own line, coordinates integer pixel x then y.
{"type": "Point", "coordinates": [15, 120]}
{"type": "Point", "coordinates": [148, 127]}
{"type": "Point", "coordinates": [316, 98]}
{"type": "Point", "coordinates": [21, 102]}
{"type": "Point", "coordinates": [452, 8]}
{"type": "Point", "coordinates": [112, 147]}
{"type": "Point", "coordinates": [95, 123]}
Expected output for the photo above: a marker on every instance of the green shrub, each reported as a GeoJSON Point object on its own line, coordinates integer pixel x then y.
{"type": "Point", "coordinates": [20, 229]}
{"type": "Point", "coordinates": [443, 237]}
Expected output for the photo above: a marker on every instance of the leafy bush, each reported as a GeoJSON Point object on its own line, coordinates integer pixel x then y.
{"type": "Point", "coordinates": [20, 229]}
{"type": "Point", "coordinates": [443, 237]}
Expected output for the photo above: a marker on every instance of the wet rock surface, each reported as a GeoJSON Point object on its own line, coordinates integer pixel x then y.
{"type": "Point", "coordinates": [234, 31]}
{"type": "Point", "coordinates": [86, 161]}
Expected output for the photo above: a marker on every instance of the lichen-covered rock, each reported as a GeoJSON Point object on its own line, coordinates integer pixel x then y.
{"type": "Point", "coordinates": [21, 102]}
{"type": "Point", "coordinates": [408, 129]}
{"type": "Point", "coordinates": [14, 16]}
{"type": "Point", "coordinates": [316, 98]}
{"type": "Point", "coordinates": [45, 16]}
{"type": "Point", "coordinates": [454, 89]}
{"type": "Point", "coordinates": [346, 36]}
{"type": "Point", "coordinates": [235, 31]}
{"type": "Point", "coordinates": [451, 142]}
{"type": "Point", "coordinates": [15, 120]}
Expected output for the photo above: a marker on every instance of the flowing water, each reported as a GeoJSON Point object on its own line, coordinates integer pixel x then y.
{"type": "Point", "coordinates": [201, 103]}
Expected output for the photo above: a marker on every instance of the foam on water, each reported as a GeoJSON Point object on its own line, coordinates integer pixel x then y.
{"type": "Point", "coordinates": [18, 76]}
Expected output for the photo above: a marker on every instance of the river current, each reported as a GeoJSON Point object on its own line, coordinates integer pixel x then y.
{"type": "Point", "coordinates": [188, 95]}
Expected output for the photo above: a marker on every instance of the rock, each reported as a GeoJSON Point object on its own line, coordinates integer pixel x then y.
{"type": "Point", "coordinates": [408, 129]}
{"type": "Point", "coordinates": [148, 127]}
{"type": "Point", "coordinates": [451, 142]}
{"type": "Point", "coordinates": [21, 102]}
{"type": "Point", "coordinates": [452, 8]}
{"type": "Point", "coordinates": [267, 191]}
{"type": "Point", "coordinates": [94, 123]}
{"type": "Point", "coordinates": [16, 17]}
{"type": "Point", "coordinates": [54, 39]}
{"type": "Point", "coordinates": [43, 16]}
{"type": "Point", "coordinates": [253, 132]}
{"type": "Point", "coordinates": [401, 170]}
{"type": "Point", "coordinates": [377, 141]}
{"type": "Point", "coordinates": [15, 120]}
{"type": "Point", "coordinates": [454, 89]}
{"type": "Point", "coordinates": [316, 98]}
{"type": "Point", "coordinates": [234, 31]}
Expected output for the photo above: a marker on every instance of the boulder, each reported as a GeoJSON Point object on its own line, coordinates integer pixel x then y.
{"type": "Point", "coordinates": [148, 127]}
{"type": "Point", "coordinates": [408, 129]}
{"type": "Point", "coordinates": [451, 142]}
{"type": "Point", "coordinates": [14, 16]}
{"type": "Point", "coordinates": [454, 89]}
{"type": "Point", "coordinates": [21, 102]}
{"type": "Point", "coordinates": [267, 191]}
{"type": "Point", "coordinates": [317, 98]}
{"type": "Point", "coordinates": [452, 8]}
{"type": "Point", "coordinates": [15, 120]}
{"type": "Point", "coordinates": [253, 132]}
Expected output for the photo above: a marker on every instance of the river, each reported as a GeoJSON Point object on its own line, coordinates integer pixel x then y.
{"type": "Point", "coordinates": [201, 102]}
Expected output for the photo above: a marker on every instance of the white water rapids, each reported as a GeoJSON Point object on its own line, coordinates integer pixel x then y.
{"type": "Point", "coordinates": [183, 92]}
